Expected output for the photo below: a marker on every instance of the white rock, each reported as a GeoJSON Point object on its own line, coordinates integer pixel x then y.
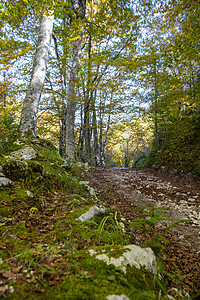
{"type": "Point", "coordinates": [5, 181]}
{"type": "Point", "coordinates": [29, 194]}
{"type": "Point", "coordinates": [26, 153]}
{"type": "Point", "coordinates": [117, 297]}
{"type": "Point", "coordinates": [91, 213]}
{"type": "Point", "coordinates": [197, 222]}
{"type": "Point", "coordinates": [133, 255]}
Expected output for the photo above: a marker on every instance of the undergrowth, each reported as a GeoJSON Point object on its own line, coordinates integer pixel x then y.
{"type": "Point", "coordinates": [44, 250]}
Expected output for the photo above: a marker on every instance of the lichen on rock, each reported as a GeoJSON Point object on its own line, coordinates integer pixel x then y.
{"type": "Point", "coordinates": [133, 255]}
{"type": "Point", "coordinates": [27, 153]}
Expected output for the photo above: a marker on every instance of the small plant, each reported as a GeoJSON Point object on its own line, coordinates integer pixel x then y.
{"type": "Point", "coordinates": [113, 230]}
{"type": "Point", "coordinates": [148, 223]}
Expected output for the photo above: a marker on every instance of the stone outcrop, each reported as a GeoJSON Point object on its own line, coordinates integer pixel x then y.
{"type": "Point", "coordinates": [3, 180]}
{"type": "Point", "coordinates": [27, 153]}
{"type": "Point", "coordinates": [132, 255]}
{"type": "Point", "coordinates": [15, 168]}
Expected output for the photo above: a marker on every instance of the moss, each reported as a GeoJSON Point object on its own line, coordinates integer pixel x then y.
{"type": "Point", "coordinates": [4, 210]}
{"type": "Point", "coordinates": [15, 169]}
{"type": "Point", "coordinates": [93, 279]}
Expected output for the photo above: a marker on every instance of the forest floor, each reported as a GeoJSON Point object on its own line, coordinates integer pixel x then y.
{"type": "Point", "coordinates": [127, 189]}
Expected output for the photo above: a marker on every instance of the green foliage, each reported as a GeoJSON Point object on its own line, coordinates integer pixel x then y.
{"type": "Point", "coordinates": [150, 222]}
{"type": "Point", "coordinates": [113, 231]}
{"type": "Point", "coordinates": [8, 132]}
{"type": "Point", "coordinates": [180, 147]}
{"type": "Point", "coordinates": [141, 160]}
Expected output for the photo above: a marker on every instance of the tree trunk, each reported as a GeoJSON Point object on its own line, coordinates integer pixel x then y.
{"type": "Point", "coordinates": [28, 122]}
{"type": "Point", "coordinates": [71, 104]}
{"type": "Point", "coordinates": [95, 134]}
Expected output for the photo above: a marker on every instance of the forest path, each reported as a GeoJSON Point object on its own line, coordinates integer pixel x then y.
{"type": "Point", "coordinates": [127, 189]}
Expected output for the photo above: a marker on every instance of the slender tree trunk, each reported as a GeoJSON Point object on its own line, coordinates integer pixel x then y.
{"type": "Point", "coordinates": [127, 153]}
{"type": "Point", "coordinates": [101, 143]}
{"type": "Point", "coordinates": [80, 140]}
{"type": "Point", "coordinates": [95, 134]}
{"type": "Point", "coordinates": [62, 111]}
{"type": "Point", "coordinates": [102, 154]}
{"type": "Point", "coordinates": [88, 96]}
{"type": "Point", "coordinates": [28, 122]}
{"type": "Point", "coordinates": [71, 104]}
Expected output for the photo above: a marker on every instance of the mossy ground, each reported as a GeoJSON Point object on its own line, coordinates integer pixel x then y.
{"type": "Point", "coordinates": [43, 250]}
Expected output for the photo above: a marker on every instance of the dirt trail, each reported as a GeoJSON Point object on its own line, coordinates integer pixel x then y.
{"type": "Point", "coordinates": [127, 189]}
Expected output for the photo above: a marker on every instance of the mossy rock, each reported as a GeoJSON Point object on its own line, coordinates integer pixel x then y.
{"type": "Point", "coordinates": [37, 168]}
{"type": "Point", "coordinates": [15, 169]}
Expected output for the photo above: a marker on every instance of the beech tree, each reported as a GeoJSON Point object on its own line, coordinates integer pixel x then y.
{"type": "Point", "coordinates": [72, 100]}
{"type": "Point", "coordinates": [28, 122]}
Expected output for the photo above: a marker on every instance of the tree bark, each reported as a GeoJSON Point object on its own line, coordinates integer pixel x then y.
{"type": "Point", "coordinates": [28, 122]}
{"type": "Point", "coordinates": [71, 104]}
{"type": "Point", "coordinates": [95, 133]}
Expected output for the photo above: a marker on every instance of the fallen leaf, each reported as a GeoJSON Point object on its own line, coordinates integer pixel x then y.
{"type": "Point", "coordinates": [8, 274]}
{"type": "Point", "coordinates": [16, 270]}
{"type": "Point", "coordinates": [32, 279]}
{"type": "Point", "coordinates": [48, 267]}
{"type": "Point", "coordinates": [23, 237]}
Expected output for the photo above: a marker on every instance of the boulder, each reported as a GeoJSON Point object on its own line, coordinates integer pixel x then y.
{"type": "Point", "coordinates": [15, 169]}
{"type": "Point", "coordinates": [132, 255]}
{"type": "Point", "coordinates": [91, 213]}
{"type": "Point", "coordinates": [27, 153]}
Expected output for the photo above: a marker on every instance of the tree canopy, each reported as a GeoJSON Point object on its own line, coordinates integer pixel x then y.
{"type": "Point", "coordinates": [122, 81]}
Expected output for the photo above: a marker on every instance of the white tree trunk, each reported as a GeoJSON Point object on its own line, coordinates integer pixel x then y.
{"type": "Point", "coordinates": [71, 104]}
{"type": "Point", "coordinates": [28, 122]}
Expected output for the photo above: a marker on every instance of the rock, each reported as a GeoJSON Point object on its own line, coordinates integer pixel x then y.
{"type": "Point", "coordinates": [27, 153]}
{"type": "Point", "coordinates": [90, 189]}
{"type": "Point", "coordinates": [196, 222]}
{"type": "Point", "coordinates": [91, 213]}
{"type": "Point", "coordinates": [1, 172]}
{"type": "Point", "coordinates": [174, 293]}
{"type": "Point", "coordinates": [15, 169]}
{"type": "Point", "coordinates": [182, 202]}
{"type": "Point", "coordinates": [117, 297]}
{"type": "Point", "coordinates": [5, 181]}
{"type": "Point", "coordinates": [29, 195]}
{"type": "Point", "coordinates": [133, 255]}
